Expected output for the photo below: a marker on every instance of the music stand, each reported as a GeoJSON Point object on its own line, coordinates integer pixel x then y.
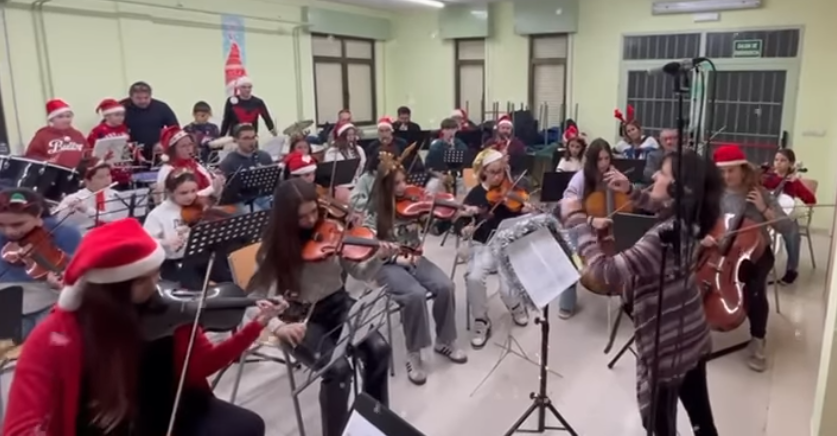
{"type": "Point", "coordinates": [418, 179]}
{"type": "Point", "coordinates": [554, 185]}
{"type": "Point", "coordinates": [336, 172]}
{"type": "Point", "coordinates": [11, 316]}
{"type": "Point", "coordinates": [413, 136]}
{"type": "Point", "coordinates": [248, 185]}
{"type": "Point", "coordinates": [631, 168]}
{"type": "Point", "coordinates": [471, 138]}
{"type": "Point", "coordinates": [371, 418]}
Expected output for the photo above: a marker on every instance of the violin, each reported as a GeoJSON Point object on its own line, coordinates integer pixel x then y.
{"type": "Point", "coordinates": [38, 254]}
{"type": "Point", "coordinates": [202, 211]}
{"type": "Point", "coordinates": [331, 238]}
{"type": "Point", "coordinates": [333, 207]}
{"type": "Point", "coordinates": [417, 202]}
{"type": "Point", "coordinates": [508, 194]}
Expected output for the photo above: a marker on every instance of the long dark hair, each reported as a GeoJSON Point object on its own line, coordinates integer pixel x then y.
{"type": "Point", "coordinates": [702, 190]}
{"type": "Point", "coordinates": [280, 255]}
{"type": "Point", "coordinates": [592, 178]}
{"type": "Point", "coordinates": [383, 200]}
{"type": "Point", "coordinates": [112, 342]}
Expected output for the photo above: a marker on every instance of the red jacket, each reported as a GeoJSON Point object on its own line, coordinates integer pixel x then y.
{"type": "Point", "coordinates": [794, 188]}
{"type": "Point", "coordinates": [44, 395]}
{"type": "Point", "coordinates": [62, 147]}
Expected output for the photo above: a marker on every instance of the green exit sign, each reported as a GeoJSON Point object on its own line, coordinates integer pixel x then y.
{"type": "Point", "coordinates": [747, 48]}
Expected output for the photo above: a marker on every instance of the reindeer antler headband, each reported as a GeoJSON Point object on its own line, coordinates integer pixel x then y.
{"type": "Point", "coordinates": [390, 163]}
{"type": "Point", "coordinates": [625, 120]}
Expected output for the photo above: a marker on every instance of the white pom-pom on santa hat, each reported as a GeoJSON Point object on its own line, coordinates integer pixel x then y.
{"type": "Point", "coordinates": [299, 164]}
{"type": "Point", "coordinates": [385, 123]}
{"type": "Point", "coordinates": [243, 81]}
{"type": "Point", "coordinates": [116, 252]}
{"type": "Point", "coordinates": [505, 120]}
{"type": "Point", "coordinates": [109, 106]}
{"type": "Point", "coordinates": [56, 107]}
{"type": "Point", "coordinates": [342, 128]}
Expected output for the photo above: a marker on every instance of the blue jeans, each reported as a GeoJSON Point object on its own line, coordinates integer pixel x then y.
{"type": "Point", "coordinates": [31, 320]}
{"type": "Point", "coordinates": [567, 300]}
{"type": "Point", "coordinates": [793, 245]}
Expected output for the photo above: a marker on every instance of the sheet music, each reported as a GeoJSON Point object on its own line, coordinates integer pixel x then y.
{"type": "Point", "coordinates": [542, 266]}
{"type": "Point", "coordinates": [115, 144]}
{"type": "Point", "coordinates": [360, 426]}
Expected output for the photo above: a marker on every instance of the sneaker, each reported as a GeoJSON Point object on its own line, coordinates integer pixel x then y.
{"type": "Point", "coordinates": [565, 314]}
{"type": "Point", "coordinates": [415, 368]}
{"type": "Point", "coordinates": [756, 359]}
{"type": "Point", "coordinates": [789, 277]}
{"type": "Point", "coordinates": [480, 333]}
{"type": "Point", "coordinates": [520, 315]}
{"type": "Point", "coordinates": [452, 352]}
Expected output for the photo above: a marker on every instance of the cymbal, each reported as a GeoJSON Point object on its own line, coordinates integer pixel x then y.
{"type": "Point", "coordinates": [298, 127]}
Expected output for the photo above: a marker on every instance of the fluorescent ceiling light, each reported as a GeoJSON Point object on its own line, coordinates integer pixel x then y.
{"type": "Point", "coordinates": [431, 3]}
{"type": "Point", "coordinates": [697, 6]}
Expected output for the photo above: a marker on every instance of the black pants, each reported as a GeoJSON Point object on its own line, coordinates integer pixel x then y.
{"type": "Point", "coordinates": [324, 328]}
{"type": "Point", "coordinates": [694, 394]}
{"type": "Point", "coordinates": [190, 273]}
{"type": "Point", "coordinates": [220, 418]}
{"type": "Point", "coordinates": [755, 291]}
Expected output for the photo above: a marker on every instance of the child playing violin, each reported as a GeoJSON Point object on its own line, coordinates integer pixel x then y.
{"type": "Point", "coordinates": [23, 212]}
{"type": "Point", "coordinates": [786, 180]}
{"type": "Point", "coordinates": [166, 223]}
{"type": "Point", "coordinates": [179, 153]}
{"type": "Point", "coordinates": [597, 164]}
{"type": "Point", "coordinates": [282, 270]}
{"type": "Point", "coordinates": [745, 195]}
{"type": "Point", "coordinates": [96, 203]}
{"type": "Point", "coordinates": [493, 172]}
{"type": "Point", "coordinates": [684, 343]}
{"type": "Point", "coordinates": [409, 277]}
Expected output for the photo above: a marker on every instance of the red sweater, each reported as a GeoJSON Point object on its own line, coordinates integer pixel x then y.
{"type": "Point", "coordinates": [62, 147]}
{"type": "Point", "coordinates": [44, 394]}
{"type": "Point", "coordinates": [794, 188]}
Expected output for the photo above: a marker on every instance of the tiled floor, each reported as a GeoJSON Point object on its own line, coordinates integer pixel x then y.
{"type": "Point", "coordinates": [595, 400]}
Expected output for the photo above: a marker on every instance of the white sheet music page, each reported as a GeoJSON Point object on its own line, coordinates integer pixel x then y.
{"type": "Point", "coordinates": [542, 267]}
{"type": "Point", "coordinates": [360, 426]}
{"type": "Point", "coordinates": [115, 144]}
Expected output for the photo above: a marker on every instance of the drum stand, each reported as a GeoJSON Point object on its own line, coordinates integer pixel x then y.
{"type": "Point", "coordinates": [540, 400]}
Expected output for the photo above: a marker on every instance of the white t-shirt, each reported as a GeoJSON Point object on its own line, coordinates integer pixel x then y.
{"type": "Point", "coordinates": [166, 169]}
{"type": "Point", "coordinates": [163, 223]}
{"type": "Point", "coordinates": [114, 207]}
{"type": "Point", "coordinates": [334, 154]}
{"type": "Point", "coordinates": [569, 165]}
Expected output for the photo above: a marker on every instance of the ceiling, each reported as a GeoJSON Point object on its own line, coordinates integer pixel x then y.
{"type": "Point", "coordinates": [403, 4]}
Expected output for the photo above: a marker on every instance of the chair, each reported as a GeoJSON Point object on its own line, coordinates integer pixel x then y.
{"type": "Point", "coordinates": [805, 228]}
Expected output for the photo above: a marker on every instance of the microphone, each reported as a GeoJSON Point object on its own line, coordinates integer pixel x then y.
{"type": "Point", "coordinates": [673, 68]}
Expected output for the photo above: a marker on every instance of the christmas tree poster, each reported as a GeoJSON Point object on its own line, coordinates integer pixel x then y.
{"type": "Point", "coordinates": [234, 51]}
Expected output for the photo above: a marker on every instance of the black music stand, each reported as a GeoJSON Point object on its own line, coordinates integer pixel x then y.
{"type": "Point", "coordinates": [367, 411]}
{"type": "Point", "coordinates": [336, 172]}
{"type": "Point", "coordinates": [554, 185]}
{"type": "Point", "coordinates": [419, 137]}
{"type": "Point", "coordinates": [418, 179]}
{"type": "Point", "coordinates": [251, 184]}
{"type": "Point", "coordinates": [471, 138]}
{"type": "Point", "coordinates": [631, 168]}
{"type": "Point", "coordinates": [11, 316]}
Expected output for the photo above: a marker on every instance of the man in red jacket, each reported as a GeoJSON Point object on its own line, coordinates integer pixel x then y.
{"type": "Point", "coordinates": [94, 367]}
{"type": "Point", "coordinates": [58, 142]}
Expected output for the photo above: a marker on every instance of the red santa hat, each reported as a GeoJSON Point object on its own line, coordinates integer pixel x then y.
{"type": "Point", "coordinates": [385, 123]}
{"type": "Point", "coordinates": [109, 106]}
{"type": "Point", "coordinates": [56, 107]}
{"type": "Point", "coordinates": [168, 137]}
{"type": "Point", "coordinates": [570, 133]}
{"type": "Point", "coordinates": [299, 164]}
{"type": "Point", "coordinates": [505, 120]}
{"type": "Point", "coordinates": [116, 252]}
{"type": "Point", "coordinates": [729, 155]}
{"type": "Point", "coordinates": [459, 113]}
{"type": "Point", "coordinates": [342, 128]}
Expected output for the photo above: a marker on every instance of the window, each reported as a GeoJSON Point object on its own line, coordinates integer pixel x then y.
{"type": "Point", "coordinates": [548, 78]}
{"type": "Point", "coordinates": [344, 78]}
{"type": "Point", "coordinates": [470, 75]}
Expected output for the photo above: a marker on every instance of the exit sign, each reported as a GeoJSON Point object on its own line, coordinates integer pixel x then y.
{"type": "Point", "coordinates": [747, 48]}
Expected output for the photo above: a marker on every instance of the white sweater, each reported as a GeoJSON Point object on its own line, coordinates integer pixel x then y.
{"type": "Point", "coordinates": [334, 154]}
{"type": "Point", "coordinates": [115, 207]}
{"type": "Point", "coordinates": [163, 223]}
{"type": "Point", "coordinates": [569, 165]}
{"type": "Point", "coordinates": [166, 169]}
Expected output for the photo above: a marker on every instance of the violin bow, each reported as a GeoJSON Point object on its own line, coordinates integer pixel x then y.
{"type": "Point", "coordinates": [496, 205]}
{"type": "Point", "coordinates": [60, 209]}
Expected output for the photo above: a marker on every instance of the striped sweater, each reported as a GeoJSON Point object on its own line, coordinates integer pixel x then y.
{"type": "Point", "coordinates": [684, 334]}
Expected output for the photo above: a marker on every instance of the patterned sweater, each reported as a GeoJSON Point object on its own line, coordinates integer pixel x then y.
{"type": "Point", "coordinates": [684, 334]}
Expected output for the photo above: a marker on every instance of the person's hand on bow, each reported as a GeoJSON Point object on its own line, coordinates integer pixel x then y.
{"type": "Point", "coordinates": [269, 310]}
{"type": "Point", "coordinates": [617, 181]}
{"type": "Point", "coordinates": [600, 223]}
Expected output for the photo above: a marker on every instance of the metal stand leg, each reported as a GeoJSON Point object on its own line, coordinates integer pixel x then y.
{"type": "Point", "coordinates": [622, 351]}
{"type": "Point", "coordinates": [292, 380]}
{"type": "Point", "coordinates": [389, 335]}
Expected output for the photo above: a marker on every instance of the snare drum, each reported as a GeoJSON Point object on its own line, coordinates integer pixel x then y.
{"type": "Point", "coordinates": [64, 182]}
{"type": "Point", "coordinates": [50, 180]}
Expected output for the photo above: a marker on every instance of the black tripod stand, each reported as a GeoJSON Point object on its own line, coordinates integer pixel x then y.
{"type": "Point", "coordinates": [541, 403]}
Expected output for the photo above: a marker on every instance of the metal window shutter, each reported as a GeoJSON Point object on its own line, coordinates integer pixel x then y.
{"type": "Point", "coordinates": [326, 46]}
{"type": "Point", "coordinates": [471, 88]}
{"type": "Point", "coordinates": [549, 90]}
{"type": "Point", "coordinates": [328, 83]}
{"type": "Point", "coordinates": [359, 49]}
{"type": "Point", "coordinates": [360, 92]}
{"type": "Point", "coordinates": [551, 47]}
{"type": "Point", "coordinates": [471, 50]}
